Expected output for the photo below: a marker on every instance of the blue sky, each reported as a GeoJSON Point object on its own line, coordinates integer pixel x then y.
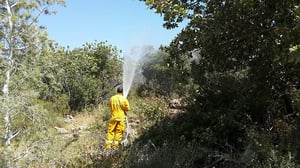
{"type": "Point", "coordinates": [122, 23]}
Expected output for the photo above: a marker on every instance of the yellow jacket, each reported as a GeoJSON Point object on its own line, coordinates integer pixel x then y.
{"type": "Point", "coordinates": [119, 105]}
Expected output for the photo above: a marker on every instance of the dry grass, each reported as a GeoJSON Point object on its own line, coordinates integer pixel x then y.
{"type": "Point", "coordinates": [80, 145]}
{"type": "Point", "coordinates": [82, 121]}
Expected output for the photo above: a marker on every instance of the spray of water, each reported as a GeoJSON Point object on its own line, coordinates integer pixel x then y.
{"type": "Point", "coordinates": [130, 65]}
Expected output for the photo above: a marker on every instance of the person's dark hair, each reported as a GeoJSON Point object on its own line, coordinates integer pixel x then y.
{"type": "Point", "coordinates": [120, 89]}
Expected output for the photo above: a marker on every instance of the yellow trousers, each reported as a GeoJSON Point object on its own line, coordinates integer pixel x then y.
{"type": "Point", "coordinates": [115, 132]}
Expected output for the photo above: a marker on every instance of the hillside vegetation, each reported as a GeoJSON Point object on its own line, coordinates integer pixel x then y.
{"type": "Point", "coordinates": [225, 93]}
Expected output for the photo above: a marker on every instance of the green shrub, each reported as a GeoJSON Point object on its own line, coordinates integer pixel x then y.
{"type": "Point", "coordinates": [151, 109]}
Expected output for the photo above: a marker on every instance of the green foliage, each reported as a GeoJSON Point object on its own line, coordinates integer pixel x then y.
{"type": "Point", "coordinates": [244, 69]}
{"type": "Point", "coordinates": [236, 62]}
{"type": "Point", "coordinates": [21, 40]}
{"type": "Point", "coordinates": [151, 109]}
{"type": "Point", "coordinates": [161, 79]}
{"type": "Point", "coordinates": [86, 75]}
{"type": "Point", "coordinates": [174, 11]}
{"type": "Point", "coordinates": [158, 79]}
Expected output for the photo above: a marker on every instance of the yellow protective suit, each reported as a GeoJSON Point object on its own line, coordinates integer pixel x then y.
{"type": "Point", "coordinates": [119, 105]}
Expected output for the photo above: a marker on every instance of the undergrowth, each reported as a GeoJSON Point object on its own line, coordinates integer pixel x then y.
{"type": "Point", "coordinates": [161, 142]}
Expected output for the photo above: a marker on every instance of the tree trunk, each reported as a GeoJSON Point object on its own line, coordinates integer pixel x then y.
{"type": "Point", "coordinates": [7, 124]}
{"type": "Point", "coordinates": [6, 117]}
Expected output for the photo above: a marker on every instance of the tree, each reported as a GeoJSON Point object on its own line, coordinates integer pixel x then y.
{"type": "Point", "coordinates": [86, 75]}
{"type": "Point", "coordinates": [159, 80]}
{"type": "Point", "coordinates": [245, 45]}
{"type": "Point", "coordinates": [20, 37]}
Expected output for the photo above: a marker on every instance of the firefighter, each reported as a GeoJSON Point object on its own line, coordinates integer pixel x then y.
{"type": "Point", "coordinates": [119, 106]}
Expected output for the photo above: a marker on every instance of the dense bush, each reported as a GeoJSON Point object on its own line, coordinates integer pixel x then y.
{"type": "Point", "coordinates": [86, 75]}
